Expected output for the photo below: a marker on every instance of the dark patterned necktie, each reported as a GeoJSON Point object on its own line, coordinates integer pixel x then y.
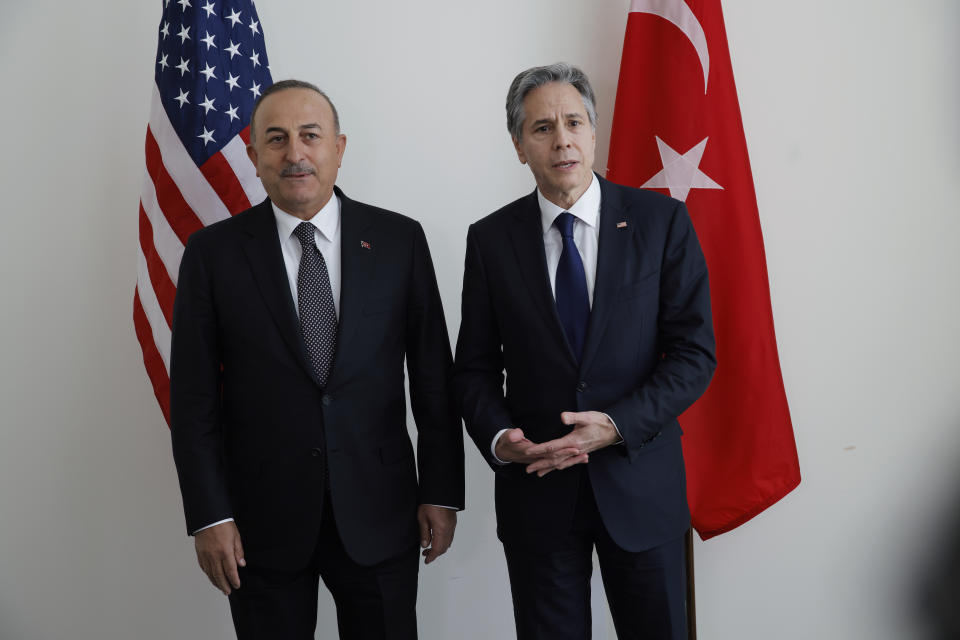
{"type": "Point", "coordinates": [318, 315]}
{"type": "Point", "coordinates": [573, 303]}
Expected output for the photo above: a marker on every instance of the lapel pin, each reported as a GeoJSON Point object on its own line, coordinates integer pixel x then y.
{"type": "Point", "coordinates": [622, 224]}
{"type": "Point", "coordinates": [364, 244]}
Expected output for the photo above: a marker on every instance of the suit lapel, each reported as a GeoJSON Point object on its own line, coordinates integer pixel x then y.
{"type": "Point", "coordinates": [612, 251]}
{"type": "Point", "coordinates": [356, 271]}
{"type": "Point", "coordinates": [527, 238]}
{"type": "Point", "coordinates": [262, 248]}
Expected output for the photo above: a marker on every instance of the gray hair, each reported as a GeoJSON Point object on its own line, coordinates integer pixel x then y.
{"type": "Point", "coordinates": [283, 85]}
{"type": "Point", "coordinates": [535, 77]}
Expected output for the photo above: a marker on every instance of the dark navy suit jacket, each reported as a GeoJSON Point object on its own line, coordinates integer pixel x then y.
{"type": "Point", "coordinates": [256, 438]}
{"type": "Point", "coordinates": [649, 354]}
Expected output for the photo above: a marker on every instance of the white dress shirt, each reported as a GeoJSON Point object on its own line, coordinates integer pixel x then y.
{"type": "Point", "coordinates": [327, 233]}
{"type": "Point", "coordinates": [586, 235]}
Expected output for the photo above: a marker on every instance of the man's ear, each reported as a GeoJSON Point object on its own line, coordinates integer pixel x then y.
{"type": "Point", "coordinates": [520, 154]}
{"type": "Point", "coordinates": [341, 147]}
{"type": "Point", "coordinates": [252, 154]}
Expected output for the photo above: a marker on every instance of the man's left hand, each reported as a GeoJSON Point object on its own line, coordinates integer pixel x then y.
{"type": "Point", "coordinates": [592, 430]}
{"type": "Point", "coordinates": [436, 530]}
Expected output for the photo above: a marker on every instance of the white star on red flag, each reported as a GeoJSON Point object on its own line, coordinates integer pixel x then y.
{"type": "Point", "coordinates": [681, 172]}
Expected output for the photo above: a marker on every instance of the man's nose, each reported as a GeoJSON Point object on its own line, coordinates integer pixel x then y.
{"type": "Point", "coordinates": [562, 138]}
{"type": "Point", "coordinates": [294, 151]}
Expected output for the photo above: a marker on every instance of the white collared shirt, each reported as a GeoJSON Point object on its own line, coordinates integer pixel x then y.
{"type": "Point", "coordinates": [586, 234]}
{"type": "Point", "coordinates": [327, 224]}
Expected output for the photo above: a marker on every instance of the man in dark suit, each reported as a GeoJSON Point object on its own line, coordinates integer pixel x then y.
{"type": "Point", "coordinates": [593, 299]}
{"type": "Point", "coordinates": [291, 326]}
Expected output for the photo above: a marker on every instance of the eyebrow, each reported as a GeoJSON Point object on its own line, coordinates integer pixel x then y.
{"type": "Point", "coordinates": [566, 116]}
{"type": "Point", "coordinates": [311, 125]}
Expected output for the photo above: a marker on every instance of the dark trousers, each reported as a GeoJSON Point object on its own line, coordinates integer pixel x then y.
{"type": "Point", "coordinates": [373, 603]}
{"type": "Point", "coordinates": [550, 582]}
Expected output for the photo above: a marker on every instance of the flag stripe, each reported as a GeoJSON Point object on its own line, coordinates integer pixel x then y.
{"type": "Point", "coordinates": [221, 176]}
{"type": "Point", "coordinates": [175, 209]}
{"type": "Point", "coordinates": [196, 190]}
{"type": "Point", "coordinates": [151, 308]}
{"type": "Point", "coordinates": [166, 243]}
{"type": "Point", "coordinates": [163, 287]}
{"type": "Point", "coordinates": [235, 153]}
{"type": "Point", "coordinates": [156, 370]}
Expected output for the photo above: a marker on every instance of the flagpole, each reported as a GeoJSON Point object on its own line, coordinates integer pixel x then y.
{"type": "Point", "coordinates": [691, 589]}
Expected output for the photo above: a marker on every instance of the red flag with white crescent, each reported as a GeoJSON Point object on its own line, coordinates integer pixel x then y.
{"type": "Point", "coordinates": [677, 129]}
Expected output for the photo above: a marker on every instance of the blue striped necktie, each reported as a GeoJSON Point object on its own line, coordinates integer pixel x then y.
{"type": "Point", "coordinates": [573, 303]}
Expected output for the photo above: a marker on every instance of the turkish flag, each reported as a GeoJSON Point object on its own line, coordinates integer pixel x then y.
{"type": "Point", "coordinates": [677, 129]}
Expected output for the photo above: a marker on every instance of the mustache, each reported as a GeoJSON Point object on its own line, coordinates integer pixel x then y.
{"type": "Point", "coordinates": [300, 167]}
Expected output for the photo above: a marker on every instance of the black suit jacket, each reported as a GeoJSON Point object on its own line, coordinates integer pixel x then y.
{"type": "Point", "coordinates": [649, 353]}
{"type": "Point", "coordinates": [256, 438]}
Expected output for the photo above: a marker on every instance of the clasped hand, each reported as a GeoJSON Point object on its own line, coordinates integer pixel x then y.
{"type": "Point", "coordinates": [592, 430]}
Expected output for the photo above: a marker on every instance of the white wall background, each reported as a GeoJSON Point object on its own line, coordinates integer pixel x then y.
{"type": "Point", "coordinates": [851, 113]}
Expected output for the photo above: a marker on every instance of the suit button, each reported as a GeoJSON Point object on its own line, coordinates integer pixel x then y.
{"type": "Point", "coordinates": [326, 400]}
{"type": "Point", "coordinates": [316, 452]}
{"type": "Point", "coordinates": [581, 386]}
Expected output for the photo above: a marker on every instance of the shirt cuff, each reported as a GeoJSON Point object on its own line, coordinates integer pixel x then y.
{"type": "Point", "coordinates": [213, 524]}
{"type": "Point", "coordinates": [620, 441]}
{"type": "Point", "coordinates": [493, 447]}
{"type": "Point", "coordinates": [442, 506]}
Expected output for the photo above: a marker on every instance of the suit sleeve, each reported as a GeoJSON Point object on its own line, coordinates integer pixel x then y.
{"type": "Point", "coordinates": [195, 418]}
{"type": "Point", "coordinates": [685, 341]}
{"type": "Point", "coordinates": [478, 369]}
{"type": "Point", "coordinates": [429, 363]}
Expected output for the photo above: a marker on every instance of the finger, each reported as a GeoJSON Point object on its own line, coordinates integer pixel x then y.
{"type": "Point", "coordinates": [442, 539]}
{"type": "Point", "coordinates": [238, 553]}
{"type": "Point", "coordinates": [569, 462]}
{"type": "Point", "coordinates": [429, 555]}
{"type": "Point", "coordinates": [555, 447]}
{"type": "Point", "coordinates": [424, 530]}
{"type": "Point", "coordinates": [583, 458]}
{"type": "Point", "coordinates": [515, 435]}
{"type": "Point", "coordinates": [570, 417]}
{"type": "Point", "coordinates": [552, 460]}
{"type": "Point", "coordinates": [230, 572]}
{"type": "Point", "coordinates": [217, 578]}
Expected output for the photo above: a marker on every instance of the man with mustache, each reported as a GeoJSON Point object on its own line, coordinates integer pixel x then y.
{"type": "Point", "coordinates": [593, 299]}
{"type": "Point", "coordinates": [292, 324]}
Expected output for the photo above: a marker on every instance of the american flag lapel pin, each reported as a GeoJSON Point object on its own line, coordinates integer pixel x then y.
{"type": "Point", "coordinates": [622, 224]}
{"type": "Point", "coordinates": [364, 244]}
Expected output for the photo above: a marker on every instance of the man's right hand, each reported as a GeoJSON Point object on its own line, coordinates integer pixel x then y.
{"type": "Point", "coordinates": [513, 446]}
{"type": "Point", "coordinates": [219, 552]}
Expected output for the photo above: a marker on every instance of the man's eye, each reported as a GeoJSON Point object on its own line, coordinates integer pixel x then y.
{"type": "Point", "coordinates": [575, 123]}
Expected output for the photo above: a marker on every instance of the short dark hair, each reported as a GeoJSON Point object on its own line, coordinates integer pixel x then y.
{"type": "Point", "coordinates": [535, 77]}
{"type": "Point", "coordinates": [283, 85]}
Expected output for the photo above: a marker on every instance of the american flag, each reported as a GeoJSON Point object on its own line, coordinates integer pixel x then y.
{"type": "Point", "coordinates": [211, 65]}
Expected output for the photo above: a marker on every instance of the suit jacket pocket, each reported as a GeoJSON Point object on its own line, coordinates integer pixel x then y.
{"type": "Point", "coordinates": [646, 283]}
